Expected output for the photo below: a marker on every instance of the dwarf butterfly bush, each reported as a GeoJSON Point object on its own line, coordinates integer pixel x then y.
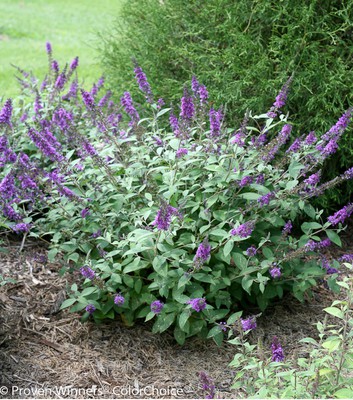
{"type": "Point", "coordinates": [181, 219]}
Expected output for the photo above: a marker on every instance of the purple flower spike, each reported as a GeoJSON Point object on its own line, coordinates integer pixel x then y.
{"type": "Point", "coordinates": [181, 152]}
{"type": "Point", "coordinates": [6, 113]}
{"type": "Point", "coordinates": [287, 228]}
{"type": "Point", "coordinates": [187, 107]}
{"type": "Point", "coordinates": [341, 215]}
{"type": "Point", "coordinates": [90, 308]}
{"type": "Point", "coordinates": [157, 306]}
{"type": "Point", "coordinates": [251, 251]}
{"type": "Point", "coordinates": [88, 100]}
{"type": "Point", "coordinates": [197, 304]}
{"type": "Point", "coordinates": [348, 258]}
{"type": "Point", "coordinates": [203, 94]}
{"type": "Point", "coordinates": [265, 199]}
{"type": "Point", "coordinates": [74, 64]}
{"type": "Point", "coordinates": [277, 351]}
{"type": "Point", "coordinates": [275, 271]}
{"type": "Point", "coordinates": [348, 174]}
{"type": "Point", "coordinates": [119, 299]}
{"type": "Point", "coordinates": [215, 122]}
{"type": "Point", "coordinates": [243, 230]}
{"type": "Point", "coordinates": [164, 217]}
{"type": "Point", "coordinates": [202, 254]}
{"type": "Point", "coordinates": [87, 272]}
{"type": "Point", "coordinates": [142, 81]}
{"type": "Point", "coordinates": [280, 99]}
{"type": "Point", "coordinates": [310, 139]}
{"type": "Point", "coordinates": [248, 324]}
{"type": "Point", "coordinates": [85, 212]}
{"type": "Point", "coordinates": [207, 385]}
{"type": "Point", "coordinates": [313, 179]}
{"type": "Point", "coordinates": [48, 48]}
{"type": "Point", "coordinates": [21, 227]}
{"type": "Point", "coordinates": [295, 146]}
{"type": "Point", "coordinates": [246, 180]}
{"type": "Point", "coordinates": [126, 102]}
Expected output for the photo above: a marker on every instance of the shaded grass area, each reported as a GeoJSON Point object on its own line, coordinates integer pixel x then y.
{"type": "Point", "coordinates": [70, 26]}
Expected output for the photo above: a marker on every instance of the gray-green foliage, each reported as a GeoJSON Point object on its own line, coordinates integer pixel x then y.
{"type": "Point", "coordinates": [325, 372]}
{"type": "Point", "coordinates": [243, 50]}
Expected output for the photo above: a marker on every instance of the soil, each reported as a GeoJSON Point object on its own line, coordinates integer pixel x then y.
{"type": "Point", "coordinates": [48, 353]}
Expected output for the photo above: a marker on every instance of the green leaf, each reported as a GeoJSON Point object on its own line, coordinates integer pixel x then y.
{"type": "Point", "coordinates": [184, 316]}
{"type": "Point", "coordinates": [307, 226]}
{"type": "Point", "coordinates": [67, 303]}
{"type": "Point", "coordinates": [163, 322]}
{"type": "Point", "coordinates": [294, 169]}
{"type": "Point", "coordinates": [333, 236]}
{"type": "Point", "coordinates": [344, 394]}
{"type": "Point", "coordinates": [250, 196]}
{"type": "Point", "coordinates": [179, 335]}
{"type": "Point", "coordinates": [336, 312]}
{"type": "Point", "coordinates": [134, 266]}
{"type": "Point", "coordinates": [246, 283]}
{"type": "Point", "coordinates": [88, 291]}
{"type": "Point", "coordinates": [227, 249]}
{"type": "Point", "coordinates": [291, 184]}
{"type": "Point", "coordinates": [52, 254]}
{"type": "Point", "coordinates": [240, 260]}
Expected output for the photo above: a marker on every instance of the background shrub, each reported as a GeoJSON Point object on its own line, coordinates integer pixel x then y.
{"type": "Point", "coordinates": [242, 51]}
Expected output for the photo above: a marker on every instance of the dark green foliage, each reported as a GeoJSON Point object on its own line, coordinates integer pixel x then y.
{"type": "Point", "coordinates": [243, 50]}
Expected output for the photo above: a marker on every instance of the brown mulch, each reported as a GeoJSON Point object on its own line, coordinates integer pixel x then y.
{"type": "Point", "coordinates": [44, 350]}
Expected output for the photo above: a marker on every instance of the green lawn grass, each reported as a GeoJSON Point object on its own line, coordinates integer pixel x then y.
{"type": "Point", "coordinates": [71, 26]}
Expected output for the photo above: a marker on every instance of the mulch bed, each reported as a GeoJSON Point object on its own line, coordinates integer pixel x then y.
{"type": "Point", "coordinates": [43, 348]}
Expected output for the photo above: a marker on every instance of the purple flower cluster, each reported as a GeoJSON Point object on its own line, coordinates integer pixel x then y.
{"type": "Point", "coordinates": [74, 64]}
{"type": "Point", "coordinates": [295, 146]}
{"type": "Point", "coordinates": [88, 100]}
{"type": "Point", "coordinates": [202, 254]}
{"type": "Point", "coordinates": [85, 213]}
{"type": "Point", "coordinates": [327, 266]}
{"type": "Point", "coordinates": [216, 118]}
{"type": "Point", "coordinates": [164, 216]}
{"type": "Point", "coordinates": [6, 113]}
{"type": "Point", "coordinates": [260, 179]}
{"type": "Point", "coordinates": [243, 230]}
{"type": "Point", "coordinates": [313, 179]}
{"type": "Point", "coordinates": [21, 227]}
{"type": "Point", "coordinates": [310, 139]}
{"type": "Point", "coordinates": [87, 272]}
{"type": "Point", "coordinates": [157, 306]}
{"type": "Point", "coordinates": [312, 246]}
{"type": "Point", "coordinates": [187, 109]}
{"type": "Point", "coordinates": [248, 324]}
{"type": "Point", "coordinates": [90, 308]}
{"type": "Point", "coordinates": [142, 82]}
{"type": "Point", "coordinates": [119, 299]}
{"type": "Point", "coordinates": [275, 271]}
{"type": "Point", "coordinates": [348, 258]}
{"type": "Point", "coordinates": [197, 304]}
{"type": "Point", "coordinates": [207, 385]}
{"type": "Point", "coordinates": [47, 144]}
{"type": "Point", "coordinates": [126, 102]}
{"type": "Point", "coordinates": [348, 174]}
{"type": "Point", "coordinates": [287, 229]}
{"type": "Point", "coordinates": [265, 199]}
{"type": "Point", "coordinates": [181, 152]}
{"type": "Point", "coordinates": [246, 180]}
{"type": "Point", "coordinates": [251, 251]}
{"type": "Point", "coordinates": [280, 99]}
{"type": "Point", "coordinates": [341, 215]}
{"type": "Point", "coordinates": [277, 351]}
{"type": "Point", "coordinates": [280, 140]}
